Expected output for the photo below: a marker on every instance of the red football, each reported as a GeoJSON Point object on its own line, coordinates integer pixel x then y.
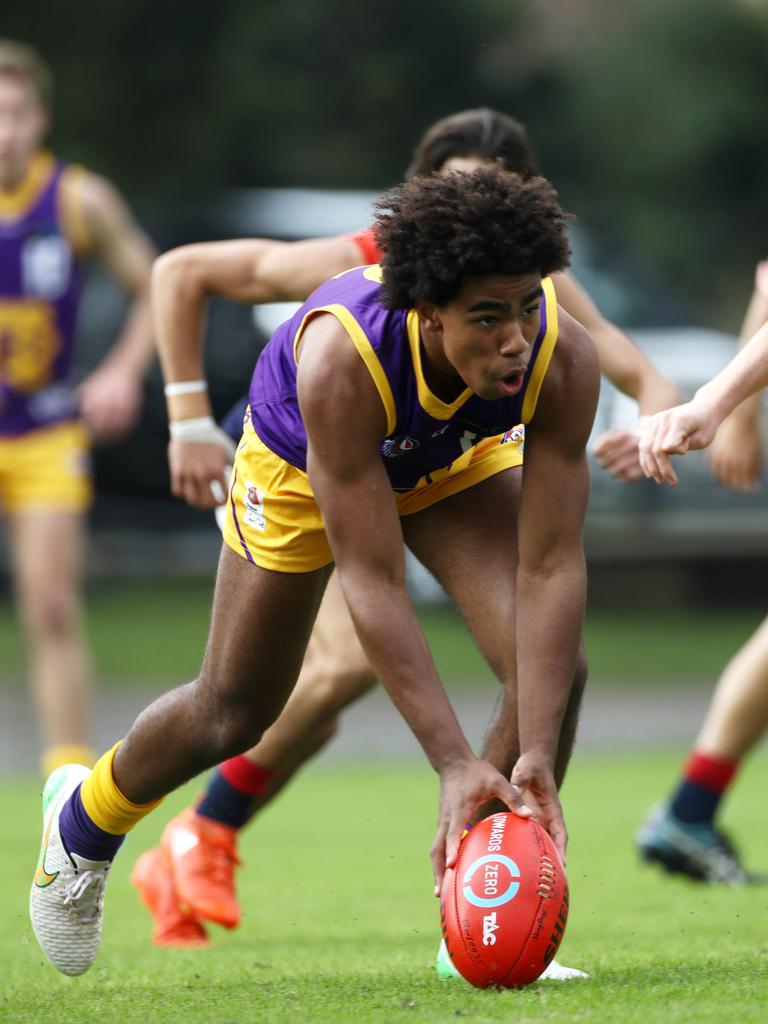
{"type": "Point", "coordinates": [505, 905]}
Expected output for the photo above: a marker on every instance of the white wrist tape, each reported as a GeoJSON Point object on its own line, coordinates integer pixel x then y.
{"type": "Point", "coordinates": [184, 387]}
{"type": "Point", "coordinates": [201, 430]}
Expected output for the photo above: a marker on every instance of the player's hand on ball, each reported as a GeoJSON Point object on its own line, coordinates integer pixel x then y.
{"type": "Point", "coordinates": [464, 787]}
{"type": "Point", "coordinates": [617, 452]}
{"type": "Point", "coordinates": [533, 776]}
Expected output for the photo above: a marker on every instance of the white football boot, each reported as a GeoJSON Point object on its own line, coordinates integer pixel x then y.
{"type": "Point", "coordinates": [554, 972]}
{"type": "Point", "coordinates": [66, 903]}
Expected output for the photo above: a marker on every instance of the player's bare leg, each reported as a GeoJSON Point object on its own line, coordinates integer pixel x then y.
{"type": "Point", "coordinates": [260, 628]}
{"type": "Point", "coordinates": [682, 834]}
{"type": "Point", "coordinates": [47, 551]}
{"type": "Point", "coordinates": [244, 682]}
{"type": "Point", "coordinates": [201, 843]}
{"type": "Point", "coordinates": [484, 590]}
{"type": "Point", "coordinates": [335, 673]}
{"type": "Point", "coordinates": [738, 714]}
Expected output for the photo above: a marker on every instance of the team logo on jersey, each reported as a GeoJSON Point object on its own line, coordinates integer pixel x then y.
{"type": "Point", "coordinates": [395, 446]}
{"type": "Point", "coordinates": [253, 499]}
{"type": "Point", "coordinates": [46, 266]}
{"type": "Point", "coordinates": [514, 436]}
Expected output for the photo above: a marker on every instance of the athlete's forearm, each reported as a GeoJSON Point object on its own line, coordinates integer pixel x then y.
{"type": "Point", "coordinates": [178, 309]}
{"type": "Point", "coordinates": [744, 376]}
{"type": "Point", "coordinates": [630, 370]}
{"type": "Point", "coordinates": [395, 645]}
{"type": "Point", "coordinates": [549, 623]}
{"type": "Point", "coordinates": [748, 411]}
{"type": "Point", "coordinates": [621, 361]}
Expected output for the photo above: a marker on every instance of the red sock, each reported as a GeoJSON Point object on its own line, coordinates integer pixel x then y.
{"type": "Point", "coordinates": [705, 779]}
{"type": "Point", "coordinates": [715, 773]}
{"type": "Point", "coordinates": [232, 791]}
{"type": "Point", "coordinates": [246, 776]}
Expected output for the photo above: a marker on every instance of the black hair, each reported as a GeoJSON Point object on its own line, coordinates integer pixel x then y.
{"type": "Point", "coordinates": [436, 231]}
{"type": "Point", "coordinates": [483, 133]}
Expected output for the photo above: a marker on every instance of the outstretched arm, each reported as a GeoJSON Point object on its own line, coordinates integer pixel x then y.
{"type": "Point", "coordinates": [627, 367]}
{"type": "Point", "coordinates": [110, 397]}
{"type": "Point", "coordinates": [694, 424]}
{"type": "Point", "coordinates": [345, 423]}
{"type": "Point", "coordinates": [251, 270]}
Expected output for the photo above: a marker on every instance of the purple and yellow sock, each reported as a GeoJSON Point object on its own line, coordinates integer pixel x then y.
{"type": "Point", "coordinates": [96, 818]}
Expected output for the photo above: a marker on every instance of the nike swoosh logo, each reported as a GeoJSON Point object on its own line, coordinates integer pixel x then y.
{"type": "Point", "coordinates": [42, 877]}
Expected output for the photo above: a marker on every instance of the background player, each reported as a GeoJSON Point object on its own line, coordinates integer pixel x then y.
{"type": "Point", "coordinates": [198, 853]}
{"type": "Point", "coordinates": [681, 834]}
{"type": "Point", "coordinates": [406, 378]}
{"type": "Point", "coordinates": [52, 217]}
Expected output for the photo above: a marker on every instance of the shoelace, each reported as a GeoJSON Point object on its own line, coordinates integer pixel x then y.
{"type": "Point", "coordinates": [84, 895]}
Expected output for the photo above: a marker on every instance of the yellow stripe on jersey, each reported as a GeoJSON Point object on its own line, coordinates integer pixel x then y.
{"type": "Point", "coordinates": [15, 202]}
{"type": "Point", "coordinates": [373, 273]}
{"type": "Point", "coordinates": [364, 348]}
{"type": "Point", "coordinates": [70, 208]}
{"type": "Point", "coordinates": [545, 353]}
{"type": "Point", "coordinates": [429, 402]}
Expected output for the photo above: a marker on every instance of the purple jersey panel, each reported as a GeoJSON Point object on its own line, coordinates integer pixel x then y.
{"type": "Point", "coordinates": [422, 441]}
{"type": "Point", "coordinates": [40, 281]}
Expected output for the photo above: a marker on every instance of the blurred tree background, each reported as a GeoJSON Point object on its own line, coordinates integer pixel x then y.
{"type": "Point", "coordinates": [648, 115]}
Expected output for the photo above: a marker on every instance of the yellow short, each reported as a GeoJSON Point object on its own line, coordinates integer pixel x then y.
{"type": "Point", "coordinates": [47, 468]}
{"type": "Point", "coordinates": [273, 518]}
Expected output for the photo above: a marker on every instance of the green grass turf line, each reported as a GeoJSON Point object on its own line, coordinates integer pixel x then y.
{"type": "Point", "coordinates": [340, 926]}
{"type": "Point", "coordinates": [156, 632]}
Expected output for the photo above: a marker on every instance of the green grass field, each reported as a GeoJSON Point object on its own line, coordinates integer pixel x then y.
{"type": "Point", "coordinates": [340, 925]}
{"type": "Point", "coordinates": [157, 631]}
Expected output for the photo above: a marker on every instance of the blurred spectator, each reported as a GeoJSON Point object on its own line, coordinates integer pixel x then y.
{"type": "Point", "coordinates": [52, 217]}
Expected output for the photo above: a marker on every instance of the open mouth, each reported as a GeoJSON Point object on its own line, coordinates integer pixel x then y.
{"type": "Point", "coordinates": [511, 384]}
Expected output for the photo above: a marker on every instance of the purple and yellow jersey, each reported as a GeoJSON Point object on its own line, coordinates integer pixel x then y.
{"type": "Point", "coordinates": [424, 434]}
{"type": "Point", "coordinates": [40, 279]}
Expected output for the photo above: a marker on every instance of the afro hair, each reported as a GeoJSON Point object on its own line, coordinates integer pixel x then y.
{"type": "Point", "coordinates": [437, 230]}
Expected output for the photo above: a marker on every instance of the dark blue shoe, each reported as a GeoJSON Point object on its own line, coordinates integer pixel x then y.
{"type": "Point", "coordinates": [700, 851]}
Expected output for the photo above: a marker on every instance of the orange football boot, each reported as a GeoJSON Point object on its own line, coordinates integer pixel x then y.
{"type": "Point", "coordinates": [153, 877]}
{"type": "Point", "coordinates": [203, 858]}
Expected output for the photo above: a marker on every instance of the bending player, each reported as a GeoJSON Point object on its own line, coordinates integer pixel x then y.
{"type": "Point", "coordinates": [54, 216]}
{"type": "Point", "coordinates": [382, 412]}
{"type": "Point", "coordinates": [184, 882]}
{"type": "Point", "coordinates": [682, 834]}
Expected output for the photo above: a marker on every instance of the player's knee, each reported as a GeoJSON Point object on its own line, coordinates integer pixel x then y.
{"type": "Point", "coordinates": [49, 612]}
{"type": "Point", "coordinates": [229, 725]}
{"type": "Point", "coordinates": [338, 687]}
